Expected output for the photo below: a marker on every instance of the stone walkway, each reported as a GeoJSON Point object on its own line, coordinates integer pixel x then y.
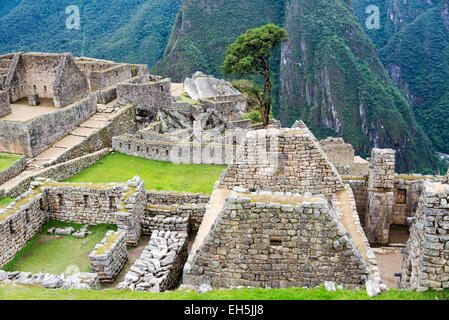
{"type": "Point", "coordinates": [216, 203]}
{"type": "Point", "coordinates": [75, 137]}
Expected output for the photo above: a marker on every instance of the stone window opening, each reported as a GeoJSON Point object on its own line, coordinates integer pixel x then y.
{"type": "Point", "coordinates": [45, 88]}
{"type": "Point", "coordinates": [157, 151]}
{"type": "Point", "coordinates": [27, 216]}
{"type": "Point", "coordinates": [41, 205]}
{"type": "Point", "coordinates": [12, 230]}
{"type": "Point", "coordinates": [86, 200]}
{"type": "Point", "coordinates": [129, 147]}
{"type": "Point", "coordinates": [148, 150]}
{"type": "Point", "coordinates": [120, 145]}
{"type": "Point", "coordinates": [112, 204]}
{"type": "Point", "coordinates": [138, 148]}
{"type": "Point", "coordinates": [166, 152]}
{"type": "Point", "coordinates": [60, 201]}
{"type": "Point", "coordinates": [116, 73]}
{"type": "Point", "coordinates": [401, 196]}
{"type": "Point", "coordinates": [34, 88]}
{"type": "Point", "coordinates": [162, 88]}
{"type": "Point", "coordinates": [275, 241]}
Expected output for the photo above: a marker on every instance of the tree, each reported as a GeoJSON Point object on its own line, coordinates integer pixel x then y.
{"type": "Point", "coordinates": [250, 55]}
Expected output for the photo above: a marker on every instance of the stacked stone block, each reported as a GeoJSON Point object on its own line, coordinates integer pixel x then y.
{"type": "Point", "coordinates": [285, 160]}
{"type": "Point", "coordinates": [15, 169]}
{"type": "Point", "coordinates": [160, 265]}
{"type": "Point", "coordinates": [165, 218]}
{"type": "Point", "coordinates": [81, 281]}
{"type": "Point", "coordinates": [5, 106]}
{"type": "Point", "coordinates": [109, 257]}
{"type": "Point", "coordinates": [380, 196]}
{"type": "Point", "coordinates": [257, 241]}
{"type": "Point", "coordinates": [426, 260]}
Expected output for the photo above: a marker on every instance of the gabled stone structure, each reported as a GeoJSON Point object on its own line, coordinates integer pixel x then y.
{"type": "Point", "coordinates": [282, 160]}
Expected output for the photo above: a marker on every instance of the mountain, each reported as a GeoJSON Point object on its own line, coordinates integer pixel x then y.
{"type": "Point", "coordinates": [129, 31]}
{"type": "Point", "coordinates": [394, 16]}
{"type": "Point", "coordinates": [204, 29]}
{"type": "Point", "coordinates": [417, 59]}
{"type": "Point", "coordinates": [332, 78]}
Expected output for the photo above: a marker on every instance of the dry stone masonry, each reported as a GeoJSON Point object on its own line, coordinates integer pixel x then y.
{"type": "Point", "coordinates": [109, 257]}
{"type": "Point", "coordinates": [160, 264]}
{"type": "Point", "coordinates": [380, 195]}
{"type": "Point", "coordinates": [426, 260]}
{"type": "Point", "coordinates": [274, 240]}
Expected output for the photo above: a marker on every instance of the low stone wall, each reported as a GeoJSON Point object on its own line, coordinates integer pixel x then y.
{"type": "Point", "coordinates": [102, 79]}
{"type": "Point", "coordinates": [160, 265]}
{"type": "Point", "coordinates": [360, 192]}
{"type": "Point", "coordinates": [178, 198]}
{"type": "Point", "coordinates": [123, 122]}
{"type": "Point", "coordinates": [15, 169]}
{"type": "Point", "coordinates": [19, 222]}
{"type": "Point", "coordinates": [425, 262]}
{"type": "Point", "coordinates": [16, 137]}
{"type": "Point", "coordinates": [59, 172]}
{"type": "Point", "coordinates": [177, 152]}
{"type": "Point", "coordinates": [257, 241]}
{"type": "Point", "coordinates": [5, 106]}
{"type": "Point", "coordinates": [80, 281]}
{"type": "Point", "coordinates": [109, 257]}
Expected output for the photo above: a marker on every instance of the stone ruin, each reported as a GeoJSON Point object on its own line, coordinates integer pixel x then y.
{"type": "Point", "coordinates": [288, 211]}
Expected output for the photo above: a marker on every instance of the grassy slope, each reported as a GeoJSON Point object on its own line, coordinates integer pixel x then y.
{"type": "Point", "coordinates": [156, 175]}
{"type": "Point", "coordinates": [9, 293]}
{"type": "Point", "coordinates": [6, 160]}
{"type": "Point", "coordinates": [4, 201]}
{"type": "Point", "coordinates": [127, 31]}
{"type": "Point", "coordinates": [51, 254]}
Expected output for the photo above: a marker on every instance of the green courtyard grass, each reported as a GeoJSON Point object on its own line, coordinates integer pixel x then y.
{"type": "Point", "coordinates": [6, 160]}
{"type": "Point", "coordinates": [20, 293]}
{"type": "Point", "coordinates": [157, 175]}
{"type": "Point", "coordinates": [54, 254]}
{"type": "Point", "coordinates": [5, 201]}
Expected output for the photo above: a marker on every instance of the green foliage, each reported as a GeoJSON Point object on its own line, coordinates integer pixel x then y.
{"type": "Point", "coordinates": [18, 293]}
{"type": "Point", "coordinates": [5, 201]}
{"type": "Point", "coordinates": [254, 116]}
{"type": "Point", "coordinates": [157, 175]}
{"type": "Point", "coordinates": [420, 57]}
{"type": "Point", "coordinates": [250, 54]}
{"type": "Point", "coordinates": [335, 82]}
{"type": "Point", "coordinates": [126, 31]}
{"type": "Point", "coordinates": [6, 160]}
{"type": "Point", "coordinates": [53, 254]}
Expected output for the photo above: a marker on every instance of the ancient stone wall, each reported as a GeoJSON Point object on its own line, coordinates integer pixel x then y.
{"type": "Point", "coordinates": [80, 281]}
{"type": "Point", "coordinates": [19, 222]}
{"type": "Point", "coordinates": [109, 257]}
{"type": "Point", "coordinates": [286, 160]}
{"type": "Point", "coordinates": [167, 218]}
{"type": "Point", "coordinates": [149, 96]}
{"type": "Point", "coordinates": [16, 168]}
{"type": "Point", "coordinates": [160, 265]}
{"type": "Point", "coordinates": [277, 241]}
{"type": "Point", "coordinates": [380, 196]}
{"type": "Point", "coordinates": [426, 259]}
{"type": "Point", "coordinates": [174, 198]}
{"type": "Point", "coordinates": [53, 76]}
{"type": "Point", "coordinates": [342, 156]}
{"type": "Point", "coordinates": [103, 79]}
{"type": "Point", "coordinates": [59, 172]}
{"type": "Point", "coordinates": [177, 152]}
{"type": "Point", "coordinates": [5, 106]}
{"type": "Point", "coordinates": [360, 192]}
{"type": "Point", "coordinates": [407, 194]}
{"type": "Point", "coordinates": [35, 136]}
{"type": "Point", "coordinates": [123, 122]}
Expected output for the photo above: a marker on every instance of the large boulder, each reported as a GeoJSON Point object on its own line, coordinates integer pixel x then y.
{"type": "Point", "coordinates": [202, 86]}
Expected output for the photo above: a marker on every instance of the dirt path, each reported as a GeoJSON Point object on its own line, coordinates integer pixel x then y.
{"type": "Point", "coordinates": [389, 261]}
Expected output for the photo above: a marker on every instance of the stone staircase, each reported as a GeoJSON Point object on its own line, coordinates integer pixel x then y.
{"type": "Point", "coordinates": [36, 165]}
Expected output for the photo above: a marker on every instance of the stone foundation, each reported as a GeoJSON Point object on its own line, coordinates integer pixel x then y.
{"type": "Point", "coordinates": [109, 257]}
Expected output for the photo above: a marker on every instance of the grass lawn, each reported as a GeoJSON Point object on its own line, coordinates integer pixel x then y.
{"type": "Point", "coordinates": [157, 175]}
{"type": "Point", "coordinates": [16, 293]}
{"type": "Point", "coordinates": [6, 160]}
{"type": "Point", "coordinates": [6, 200]}
{"type": "Point", "coordinates": [53, 254]}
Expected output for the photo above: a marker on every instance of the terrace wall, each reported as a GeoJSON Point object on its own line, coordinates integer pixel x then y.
{"type": "Point", "coordinates": [16, 168]}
